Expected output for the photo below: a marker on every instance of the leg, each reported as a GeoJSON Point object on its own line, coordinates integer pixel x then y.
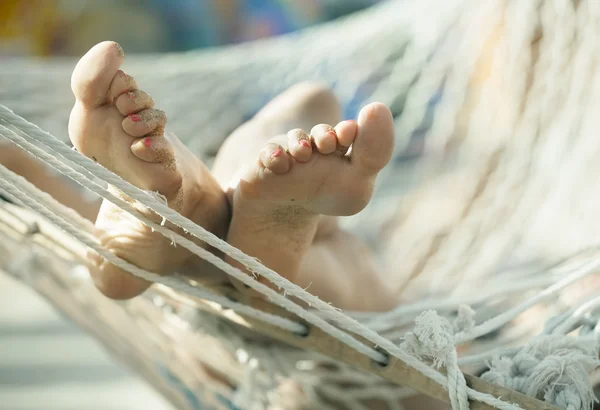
{"type": "Point", "coordinates": [301, 106]}
{"type": "Point", "coordinates": [320, 246]}
{"type": "Point", "coordinates": [279, 200]}
{"type": "Point", "coordinates": [21, 163]}
{"type": "Point", "coordinates": [114, 123]}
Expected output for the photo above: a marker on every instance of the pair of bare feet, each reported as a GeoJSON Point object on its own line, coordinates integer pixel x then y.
{"type": "Point", "coordinates": [271, 194]}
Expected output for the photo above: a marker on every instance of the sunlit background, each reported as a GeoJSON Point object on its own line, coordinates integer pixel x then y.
{"type": "Point", "coordinates": [46, 363]}
{"type": "Point", "coordinates": [71, 27]}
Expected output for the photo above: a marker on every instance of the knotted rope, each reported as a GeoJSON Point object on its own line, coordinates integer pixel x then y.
{"type": "Point", "coordinates": [551, 367]}
{"type": "Point", "coordinates": [433, 338]}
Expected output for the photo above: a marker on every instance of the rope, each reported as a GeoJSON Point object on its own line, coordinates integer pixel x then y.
{"type": "Point", "coordinates": [20, 190]}
{"type": "Point", "coordinates": [502, 319]}
{"type": "Point", "coordinates": [29, 132]}
{"type": "Point", "coordinates": [553, 366]}
{"type": "Point", "coordinates": [433, 338]}
{"type": "Point", "coordinates": [550, 109]}
{"type": "Point", "coordinates": [189, 226]}
{"type": "Point", "coordinates": [578, 312]}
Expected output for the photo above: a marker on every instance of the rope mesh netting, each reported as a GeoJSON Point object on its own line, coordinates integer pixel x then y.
{"type": "Point", "coordinates": [497, 99]}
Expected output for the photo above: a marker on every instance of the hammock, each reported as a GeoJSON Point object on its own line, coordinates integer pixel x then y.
{"type": "Point", "coordinates": [534, 114]}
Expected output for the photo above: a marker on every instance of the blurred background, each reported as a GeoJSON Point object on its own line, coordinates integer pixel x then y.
{"type": "Point", "coordinates": [71, 27]}
{"type": "Point", "coordinates": [46, 363]}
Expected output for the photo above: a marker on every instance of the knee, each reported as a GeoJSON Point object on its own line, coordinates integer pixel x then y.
{"type": "Point", "coordinates": [302, 106]}
{"type": "Point", "coordinates": [312, 91]}
{"type": "Point", "coordinates": [317, 103]}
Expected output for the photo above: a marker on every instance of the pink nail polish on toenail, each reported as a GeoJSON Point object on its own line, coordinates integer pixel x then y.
{"type": "Point", "coordinates": [304, 143]}
{"type": "Point", "coordinates": [277, 153]}
{"type": "Point", "coordinates": [135, 117]}
{"type": "Point", "coordinates": [148, 142]}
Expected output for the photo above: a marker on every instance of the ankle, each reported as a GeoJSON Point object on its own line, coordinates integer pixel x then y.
{"type": "Point", "coordinates": [286, 244]}
{"type": "Point", "coordinates": [213, 212]}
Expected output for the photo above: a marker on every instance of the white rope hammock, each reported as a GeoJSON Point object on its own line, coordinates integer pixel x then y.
{"type": "Point", "coordinates": [525, 131]}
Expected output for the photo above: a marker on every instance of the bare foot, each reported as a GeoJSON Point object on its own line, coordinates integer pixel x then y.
{"type": "Point", "coordinates": [278, 201]}
{"type": "Point", "coordinates": [114, 123]}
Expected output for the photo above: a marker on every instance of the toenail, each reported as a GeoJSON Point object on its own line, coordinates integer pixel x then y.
{"type": "Point", "coordinates": [135, 117]}
{"type": "Point", "coordinates": [120, 50]}
{"type": "Point", "coordinates": [304, 143]}
{"type": "Point", "coordinates": [126, 77]}
{"type": "Point", "coordinates": [148, 142]}
{"type": "Point", "coordinates": [277, 153]}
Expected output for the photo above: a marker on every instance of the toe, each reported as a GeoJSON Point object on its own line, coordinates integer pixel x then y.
{"type": "Point", "coordinates": [299, 145]}
{"type": "Point", "coordinates": [374, 144]}
{"type": "Point", "coordinates": [274, 158]}
{"type": "Point", "coordinates": [133, 102]}
{"type": "Point", "coordinates": [145, 122]}
{"type": "Point", "coordinates": [153, 149]}
{"type": "Point", "coordinates": [120, 84]}
{"type": "Point", "coordinates": [346, 134]}
{"type": "Point", "coordinates": [94, 73]}
{"type": "Point", "coordinates": [325, 138]}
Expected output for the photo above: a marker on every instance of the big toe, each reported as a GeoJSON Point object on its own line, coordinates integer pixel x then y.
{"type": "Point", "coordinates": [374, 144]}
{"type": "Point", "coordinates": [114, 123]}
{"type": "Point", "coordinates": [94, 73]}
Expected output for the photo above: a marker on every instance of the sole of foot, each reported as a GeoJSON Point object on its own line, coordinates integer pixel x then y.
{"type": "Point", "coordinates": [299, 177]}
{"type": "Point", "coordinates": [115, 123]}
